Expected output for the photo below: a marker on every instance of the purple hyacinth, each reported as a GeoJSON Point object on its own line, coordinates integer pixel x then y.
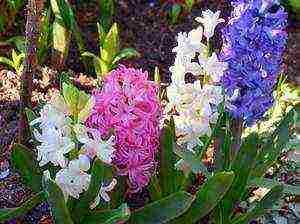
{"type": "Point", "coordinates": [254, 41]}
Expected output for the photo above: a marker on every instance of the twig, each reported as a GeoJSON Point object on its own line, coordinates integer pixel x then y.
{"type": "Point", "coordinates": [34, 11]}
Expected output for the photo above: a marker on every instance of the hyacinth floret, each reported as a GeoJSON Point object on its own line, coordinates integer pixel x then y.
{"type": "Point", "coordinates": [254, 41]}
{"type": "Point", "coordinates": [127, 105]}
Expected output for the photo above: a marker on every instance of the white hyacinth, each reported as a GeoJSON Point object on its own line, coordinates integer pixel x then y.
{"type": "Point", "coordinates": [209, 20]}
{"type": "Point", "coordinates": [189, 43]}
{"type": "Point", "coordinates": [214, 68]}
{"type": "Point", "coordinates": [50, 116]}
{"type": "Point", "coordinates": [95, 146]}
{"type": "Point", "coordinates": [103, 193]}
{"type": "Point", "coordinates": [60, 133]}
{"type": "Point", "coordinates": [73, 179]}
{"type": "Point", "coordinates": [195, 104]}
{"type": "Point", "coordinates": [54, 145]}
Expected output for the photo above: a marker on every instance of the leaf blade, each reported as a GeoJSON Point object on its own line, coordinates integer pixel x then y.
{"type": "Point", "coordinates": [163, 210]}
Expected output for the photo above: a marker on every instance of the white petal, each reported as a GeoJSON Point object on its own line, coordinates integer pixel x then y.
{"type": "Point", "coordinates": [84, 162]}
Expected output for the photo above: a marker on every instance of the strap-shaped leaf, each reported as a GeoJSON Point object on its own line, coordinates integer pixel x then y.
{"type": "Point", "coordinates": [7, 62]}
{"type": "Point", "coordinates": [111, 45]}
{"type": "Point", "coordinates": [26, 164]}
{"type": "Point", "coordinates": [19, 42]}
{"type": "Point", "coordinates": [164, 210]}
{"type": "Point", "coordinates": [269, 183]}
{"type": "Point", "coordinates": [126, 53]}
{"type": "Point", "coordinates": [175, 12]}
{"type": "Point", "coordinates": [119, 215]}
{"type": "Point", "coordinates": [276, 141]}
{"type": "Point", "coordinates": [167, 172]}
{"type": "Point", "coordinates": [11, 213]}
{"type": "Point", "coordinates": [101, 67]}
{"type": "Point", "coordinates": [56, 200]}
{"type": "Point", "coordinates": [61, 39]}
{"type": "Point", "coordinates": [63, 10]}
{"type": "Point", "coordinates": [154, 188]}
{"type": "Point", "coordinates": [209, 195]}
{"type": "Point", "coordinates": [222, 143]}
{"type": "Point", "coordinates": [242, 166]}
{"type": "Point", "coordinates": [107, 9]}
{"type": "Point", "coordinates": [197, 166]}
{"type": "Point", "coordinates": [265, 203]}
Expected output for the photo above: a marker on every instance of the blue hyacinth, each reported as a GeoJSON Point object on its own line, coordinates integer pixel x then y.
{"type": "Point", "coordinates": [254, 41]}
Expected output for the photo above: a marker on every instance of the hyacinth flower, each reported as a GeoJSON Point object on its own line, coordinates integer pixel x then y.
{"type": "Point", "coordinates": [60, 131]}
{"type": "Point", "coordinates": [128, 106]}
{"type": "Point", "coordinates": [194, 106]}
{"type": "Point", "coordinates": [254, 41]}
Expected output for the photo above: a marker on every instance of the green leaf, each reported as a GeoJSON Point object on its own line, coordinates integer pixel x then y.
{"type": "Point", "coordinates": [31, 115]}
{"type": "Point", "coordinates": [261, 208]}
{"type": "Point", "coordinates": [7, 214]}
{"type": "Point", "coordinates": [189, 4]}
{"type": "Point", "coordinates": [126, 53]}
{"type": "Point", "coordinates": [215, 131]}
{"type": "Point", "coordinates": [7, 62]}
{"type": "Point", "coordinates": [61, 39]}
{"type": "Point", "coordinates": [89, 54]}
{"type": "Point", "coordinates": [117, 196]}
{"type": "Point", "coordinates": [2, 23]}
{"type": "Point", "coordinates": [110, 46]}
{"type": "Point", "coordinates": [26, 164]}
{"type": "Point", "coordinates": [271, 149]}
{"type": "Point", "coordinates": [207, 197]}
{"type": "Point", "coordinates": [157, 78]}
{"type": "Point", "coordinates": [222, 143]}
{"type": "Point", "coordinates": [71, 95]}
{"type": "Point", "coordinates": [101, 35]}
{"type": "Point", "coordinates": [164, 210]}
{"type": "Point", "coordinates": [19, 42]}
{"type": "Point", "coordinates": [192, 160]}
{"type": "Point", "coordinates": [154, 188]}
{"type": "Point", "coordinates": [15, 4]}
{"type": "Point", "coordinates": [120, 214]}
{"type": "Point", "coordinates": [17, 60]}
{"type": "Point", "coordinates": [14, 56]}
{"type": "Point", "coordinates": [56, 200]}
{"type": "Point", "coordinates": [44, 42]}
{"type": "Point", "coordinates": [167, 172]}
{"type": "Point", "coordinates": [65, 13]}
{"type": "Point", "coordinates": [175, 12]}
{"type": "Point", "coordinates": [242, 166]}
{"type": "Point", "coordinates": [269, 183]}
{"type": "Point", "coordinates": [101, 172]}
{"type": "Point", "coordinates": [107, 9]}
{"type": "Point", "coordinates": [295, 5]}
{"type": "Point", "coordinates": [83, 99]}
{"type": "Point", "coordinates": [99, 65]}
{"type": "Point", "coordinates": [85, 111]}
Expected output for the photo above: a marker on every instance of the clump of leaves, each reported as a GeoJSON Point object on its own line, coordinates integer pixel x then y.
{"type": "Point", "coordinates": [178, 8]}
{"type": "Point", "coordinates": [110, 52]}
{"type": "Point", "coordinates": [15, 62]}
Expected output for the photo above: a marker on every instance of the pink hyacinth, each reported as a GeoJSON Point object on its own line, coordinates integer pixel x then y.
{"type": "Point", "coordinates": [128, 106]}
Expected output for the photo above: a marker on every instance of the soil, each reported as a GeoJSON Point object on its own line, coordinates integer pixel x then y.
{"type": "Point", "coordinates": [144, 26]}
